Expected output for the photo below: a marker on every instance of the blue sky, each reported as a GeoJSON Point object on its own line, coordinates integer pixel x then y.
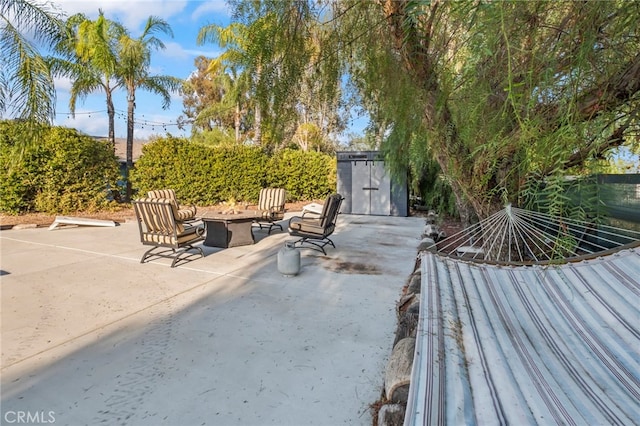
{"type": "Point", "coordinates": [186, 18]}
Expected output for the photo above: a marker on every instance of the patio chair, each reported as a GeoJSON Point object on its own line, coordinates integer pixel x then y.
{"type": "Point", "coordinates": [160, 228]}
{"type": "Point", "coordinates": [314, 232]}
{"type": "Point", "coordinates": [271, 207]}
{"type": "Point", "coordinates": [185, 213]}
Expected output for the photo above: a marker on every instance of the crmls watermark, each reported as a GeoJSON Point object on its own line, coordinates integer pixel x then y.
{"type": "Point", "coordinates": [29, 417]}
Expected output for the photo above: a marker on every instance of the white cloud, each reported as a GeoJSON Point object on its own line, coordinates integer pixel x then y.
{"type": "Point", "coordinates": [175, 51]}
{"type": "Point", "coordinates": [215, 6]}
{"type": "Point", "coordinates": [62, 84]}
{"type": "Point", "coordinates": [132, 14]}
{"type": "Point", "coordinates": [207, 53]}
{"type": "Point", "coordinates": [176, 98]}
{"type": "Point", "coordinates": [94, 124]}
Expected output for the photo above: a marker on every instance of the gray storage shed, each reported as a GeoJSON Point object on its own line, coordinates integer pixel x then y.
{"type": "Point", "coordinates": [367, 186]}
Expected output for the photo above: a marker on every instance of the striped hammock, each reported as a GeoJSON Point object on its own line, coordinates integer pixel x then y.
{"type": "Point", "coordinates": [516, 235]}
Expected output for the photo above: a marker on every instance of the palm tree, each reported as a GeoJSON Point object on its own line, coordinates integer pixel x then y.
{"type": "Point", "coordinates": [26, 85]}
{"type": "Point", "coordinates": [134, 58]}
{"type": "Point", "coordinates": [90, 60]}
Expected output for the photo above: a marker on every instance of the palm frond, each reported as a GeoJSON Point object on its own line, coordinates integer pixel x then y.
{"type": "Point", "coordinates": [28, 89]}
{"type": "Point", "coordinates": [163, 86]}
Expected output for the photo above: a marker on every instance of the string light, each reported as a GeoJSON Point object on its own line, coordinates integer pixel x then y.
{"type": "Point", "coordinates": [137, 121]}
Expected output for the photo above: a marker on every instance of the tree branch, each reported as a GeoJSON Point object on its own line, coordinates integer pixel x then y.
{"type": "Point", "coordinates": [594, 150]}
{"type": "Point", "coordinates": [612, 93]}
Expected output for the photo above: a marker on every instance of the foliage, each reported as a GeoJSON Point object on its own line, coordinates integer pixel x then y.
{"type": "Point", "coordinates": [229, 75]}
{"type": "Point", "coordinates": [89, 59]}
{"type": "Point", "coordinates": [578, 198]}
{"type": "Point", "coordinates": [201, 92]}
{"type": "Point", "coordinates": [498, 92]}
{"type": "Point", "coordinates": [207, 175]}
{"type": "Point", "coordinates": [280, 72]}
{"type": "Point", "coordinates": [102, 55]}
{"type": "Point", "coordinates": [133, 63]}
{"type": "Point", "coordinates": [309, 137]}
{"type": "Point", "coordinates": [518, 89]}
{"type": "Point", "coordinates": [65, 172]}
{"type": "Point", "coordinates": [305, 175]}
{"type": "Point", "coordinates": [214, 137]}
{"type": "Point", "coordinates": [26, 85]}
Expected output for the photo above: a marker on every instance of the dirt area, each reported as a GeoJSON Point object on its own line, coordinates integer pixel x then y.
{"type": "Point", "coordinates": [43, 219]}
{"type": "Point", "coordinates": [448, 225]}
{"type": "Point", "coordinates": [120, 215]}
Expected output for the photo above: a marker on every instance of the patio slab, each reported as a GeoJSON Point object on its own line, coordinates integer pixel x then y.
{"type": "Point", "coordinates": [90, 335]}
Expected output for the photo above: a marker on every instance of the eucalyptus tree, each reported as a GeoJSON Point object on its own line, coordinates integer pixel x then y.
{"type": "Point", "coordinates": [276, 46]}
{"type": "Point", "coordinates": [320, 104]}
{"type": "Point", "coordinates": [217, 95]}
{"type": "Point", "coordinates": [499, 94]}
{"type": "Point", "coordinates": [200, 89]}
{"type": "Point", "coordinates": [26, 86]}
{"type": "Point", "coordinates": [89, 59]}
{"type": "Point", "coordinates": [237, 69]}
{"type": "Point", "coordinates": [234, 103]}
{"type": "Point", "coordinates": [134, 59]}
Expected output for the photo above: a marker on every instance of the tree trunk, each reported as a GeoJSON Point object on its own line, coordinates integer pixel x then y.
{"type": "Point", "coordinates": [111, 115]}
{"type": "Point", "coordinates": [258, 124]}
{"type": "Point", "coordinates": [236, 122]}
{"type": "Point", "coordinates": [453, 156]}
{"type": "Point", "coordinates": [258, 113]}
{"type": "Point", "coordinates": [131, 104]}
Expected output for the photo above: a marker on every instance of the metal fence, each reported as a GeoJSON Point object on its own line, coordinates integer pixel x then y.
{"type": "Point", "coordinates": [620, 195]}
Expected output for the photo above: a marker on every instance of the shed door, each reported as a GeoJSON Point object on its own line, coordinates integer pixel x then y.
{"type": "Point", "coordinates": [380, 199]}
{"type": "Point", "coordinates": [360, 176]}
{"type": "Point", "coordinates": [370, 188]}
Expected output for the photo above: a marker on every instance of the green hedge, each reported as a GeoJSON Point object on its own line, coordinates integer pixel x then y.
{"type": "Point", "coordinates": [207, 175]}
{"type": "Point", "coordinates": [64, 172]}
{"type": "Point", "coordinates": [305, 175]}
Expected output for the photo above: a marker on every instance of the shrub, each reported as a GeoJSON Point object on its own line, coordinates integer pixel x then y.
{"type": "Point", "coordinates": [305, 175]}
{"type": "Point", "coordinates": [65, 172]}
{"type": "Point", "coordinates": [20, 177]}
{"type": "Point", "coordinates": [207, 175]}
{"type": "Point", "coordinates": [200, 174]}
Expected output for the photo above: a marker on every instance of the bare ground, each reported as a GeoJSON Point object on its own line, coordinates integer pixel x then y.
{"type": "Point", "coordinates": [120, 215]}
{"type": "Point", "coordinates": [125, 213]}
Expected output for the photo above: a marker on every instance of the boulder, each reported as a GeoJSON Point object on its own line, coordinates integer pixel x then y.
{"type": "Point", "coordinates": [427, 244]}
{"type": "Point", "coordinates": [397, 376]}
{"type": "Point", "coordinates": [415, 283]}
{"type": "Point", "coordinates": [391, 415]}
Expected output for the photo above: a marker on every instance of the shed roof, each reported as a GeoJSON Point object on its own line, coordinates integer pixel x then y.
{"type": "Point", "coordinates": [528, 344]}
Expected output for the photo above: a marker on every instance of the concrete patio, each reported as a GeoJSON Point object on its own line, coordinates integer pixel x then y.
{"type": "Point", "coordinates": [90, 335]}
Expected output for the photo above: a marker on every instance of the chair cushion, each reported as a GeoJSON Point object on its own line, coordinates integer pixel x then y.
{"type": "Point", "coordinates": [163, 193]}
{"type": "Point", "coordinates": [185, 213]}
{"type": "Point", "coordinates": [272, 199]}
{"type": "Point", "coordinates": [181, 213]}
{"type": "Point", "coordinates": [159, 216]}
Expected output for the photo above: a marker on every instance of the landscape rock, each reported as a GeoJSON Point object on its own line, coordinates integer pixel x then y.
{"type": "Point", "coordinates": [427, 244]}
{"type": "Point", "coordinates": [415, 283]}
{"type": "Point", "coordinates": [391, 415]}
{"type": "Point", "coordinates": [397, 375]}
{"type": "Point", "coordinates": [408, 322]}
